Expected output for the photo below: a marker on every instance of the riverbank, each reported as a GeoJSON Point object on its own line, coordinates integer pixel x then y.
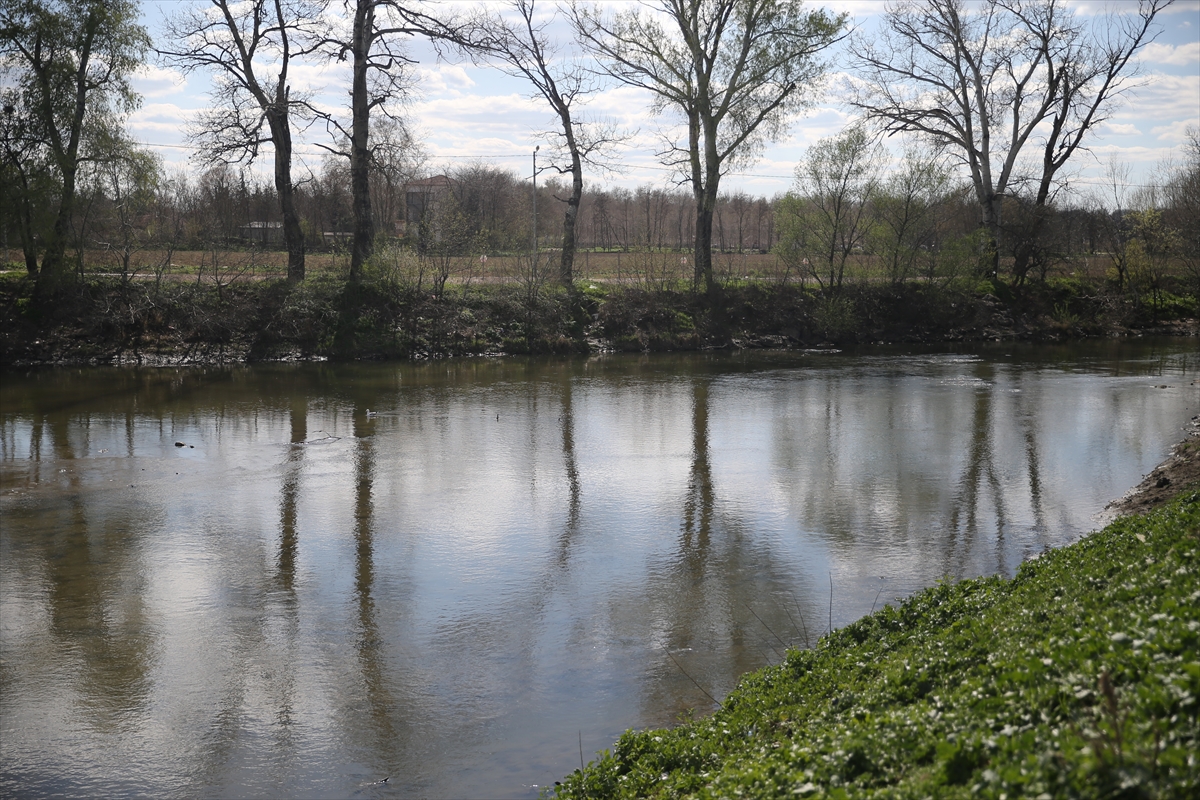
{"type": "Point", "coordinates": [1080, 677]}
{"type": "Point", "coordinates": [110, 321]}
{"type": "Point", "coordinates": [1181, 469]}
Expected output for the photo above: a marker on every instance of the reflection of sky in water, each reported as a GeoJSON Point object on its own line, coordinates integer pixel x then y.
{"type": "Point", "coordinates": [500, 557]}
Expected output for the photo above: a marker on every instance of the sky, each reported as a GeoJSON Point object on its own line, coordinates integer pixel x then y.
{"type": "Point", "coordinates": [462, 112]}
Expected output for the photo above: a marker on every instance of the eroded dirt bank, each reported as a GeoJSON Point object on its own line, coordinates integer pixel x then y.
{"type": "Point", "coordinates": [1179, 471]}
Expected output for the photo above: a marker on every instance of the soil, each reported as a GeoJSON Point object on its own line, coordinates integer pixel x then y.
{"type": "Point", "coordinates": [1179, 472]}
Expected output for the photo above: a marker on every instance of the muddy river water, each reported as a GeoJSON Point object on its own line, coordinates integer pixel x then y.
{"type": "Point", "coordinates": [459, 575]}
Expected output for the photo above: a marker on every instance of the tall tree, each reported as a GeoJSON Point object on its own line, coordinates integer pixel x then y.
{"type": "Point", "coordinates": [379, 81]}
{"type": "Point", "coordinates": [524, 49]}
{"type": "Point", "coordinates": [25, 191]}
{"type": "Point", "coordinates": [250, 47]}
{"type": "Point", "coordinates": [733, 71]}
{"type": "Point", "coordinates": [990, 80]}
{"type": "Point", "coordinates": [70, 62]}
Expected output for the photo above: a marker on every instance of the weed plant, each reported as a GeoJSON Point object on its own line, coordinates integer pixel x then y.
{"type": "Point", "coordinates": [1080, 677]}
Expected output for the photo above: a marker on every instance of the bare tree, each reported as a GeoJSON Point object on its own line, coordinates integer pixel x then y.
{"type": "Point", "coordinates": [732, 70]}
{"type": "Point", "coordinates": [989, 80]}
{"type": "Point", "coordinates": [524, 49]}
{"type": "Point", "coordinates": [249, 47]}
{"type": "Point", "coordinates": [396, 158]}
{"type": "Point", "coordinates": [1183, 202]}
{"type": "Point", "coordinates": [379, 81]}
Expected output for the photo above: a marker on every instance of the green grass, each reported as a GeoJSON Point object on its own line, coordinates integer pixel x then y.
{"type": "Point", "coordinates": [1080, 677]}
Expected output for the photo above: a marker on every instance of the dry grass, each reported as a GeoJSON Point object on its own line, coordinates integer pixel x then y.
{"type": "Point", "coordinates": [638, 268]}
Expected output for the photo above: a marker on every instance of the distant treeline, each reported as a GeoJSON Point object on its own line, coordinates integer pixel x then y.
{"type": "Point", "coordinates": [979, 193]}
{"type": "Point", "coordinates": [911, 222]}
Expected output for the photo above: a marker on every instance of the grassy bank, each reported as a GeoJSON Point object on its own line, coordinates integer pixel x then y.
{"type": "Point", "coordinates": [1080, 677]}
{"type": "Point", "coordinates": [107, 319]}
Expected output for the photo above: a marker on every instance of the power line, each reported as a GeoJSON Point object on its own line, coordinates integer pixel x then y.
{"type": "Point", "coordinates": [652, 167]}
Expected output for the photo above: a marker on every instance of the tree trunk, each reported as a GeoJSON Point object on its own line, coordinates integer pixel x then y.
{"type": "Point", "coordinates": [703, 256]}
{"type": "Point", "coordinates": [360, 153]}
{"type": "Point", "coordinates": [54, 275]}
{"type": "Point", "coordinates": [293, 234]}
{"type": "Point", "coordinates": [566, 264]}
{"type": "Point", "coordinates": [1027, 249]}
{"type": "Point", "coordinates": [25, 219]}
{"type": "Point", "coordinates": [991, 224]}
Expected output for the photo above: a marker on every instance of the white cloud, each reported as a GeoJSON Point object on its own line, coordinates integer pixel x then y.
{"type": "Point", "coordinates": [1162, 98]}
{"type": "Point", "coordinates": [1174, 132]}
{"type": "Point", "coordinates": [1121, 129]}
{"type": "Point", "coordinates": [1173, 55]}
{"type": "Point", "coordinates": [478, 114]}
{"type": "Point", "coordinates": [443, 78]}
{"type": "Point", "coordinates": [326, 79]}
{"type": "Point", "coordinates": [161, 117]}
{"type": "Point", "coordinates": [1187, 8]}
{"type": "Point", "coordinates": [153, 81]}
{"type": "Point", "coordinates": [823, 122]}
{"type": "Point", "coordinates": [859, 9]}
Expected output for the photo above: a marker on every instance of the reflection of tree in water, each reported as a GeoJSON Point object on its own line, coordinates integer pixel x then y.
{"type": "Point", "coordinates": [1037, 501]}
{"type": "Point", "coordinates": [718, 608]}
{"type": "Point", "coordinates": [919, 459]}
{"type": "Point", "coordinates": [980, 467]}
{"type": "Point", "coordinates": [96, 596]}
{"type": "Point", "coordinates": [369, 646]}
{"type": "Point", "coordinates": [288, 611]}
{"type": "Point", "coordinates": [699, 604]}
{"type": "Point", "coordinates": [514, 627]}
{"type": "Point", "coordinates": [298, 417]}
{"type": "Point", "coordinates": [982, 498]}
{"type": "Point", "coordinates": [575, 501]}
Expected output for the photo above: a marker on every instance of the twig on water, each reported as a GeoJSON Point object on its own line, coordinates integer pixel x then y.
{"type": "Point", "coordinates": [800, 611]}
{"type": "Point", "coordinates": [789, 616]}
{"type": "Point", "coordinates": [768, 627]}
{"type": "Point", "coordinates": [831, 602]}
{"type": "Point", "coordinates": [876, 600]}
{"type": "Point", "coordinates": [581, 766]}
{"type": "Point", "coordinates": [689, 677]}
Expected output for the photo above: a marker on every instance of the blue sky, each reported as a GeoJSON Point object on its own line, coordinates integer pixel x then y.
{"type": "Point", "coordinates": [464, 112]}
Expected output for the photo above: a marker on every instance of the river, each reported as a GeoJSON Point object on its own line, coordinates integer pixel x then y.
{"type": "Point", "coordinates": [300, 580]}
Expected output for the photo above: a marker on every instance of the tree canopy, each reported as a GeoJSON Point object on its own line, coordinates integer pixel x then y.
{"type": "Point", "coordinates": [1012, 88]}
{"type": "Point", "coordinates": [733, 71]}
{"type": "Point", "coordinates": [69, 63]}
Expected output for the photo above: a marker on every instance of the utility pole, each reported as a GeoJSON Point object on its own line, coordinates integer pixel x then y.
{"type": "Point", "coordinates": [535, 247]}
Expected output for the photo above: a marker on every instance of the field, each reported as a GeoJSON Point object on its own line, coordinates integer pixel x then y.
{"type": "Point", "coordinates": [647, 269]}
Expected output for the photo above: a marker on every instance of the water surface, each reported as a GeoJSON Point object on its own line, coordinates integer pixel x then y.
{"type": "Point", "coordinates": [457, 575]}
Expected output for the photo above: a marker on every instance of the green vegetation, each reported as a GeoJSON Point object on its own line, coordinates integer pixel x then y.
{"type": "Point", "coordinates": [1080, 677]}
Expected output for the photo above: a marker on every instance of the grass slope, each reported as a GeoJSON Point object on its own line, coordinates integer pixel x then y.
{"type": "Point", "coordinates": [1079, 677]}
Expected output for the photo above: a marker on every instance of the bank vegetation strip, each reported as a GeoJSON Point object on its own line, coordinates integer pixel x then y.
{"type": "Point", "coordinates": [109, 320]}
{"type": "Point", "coordinates": [1079, 677]}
